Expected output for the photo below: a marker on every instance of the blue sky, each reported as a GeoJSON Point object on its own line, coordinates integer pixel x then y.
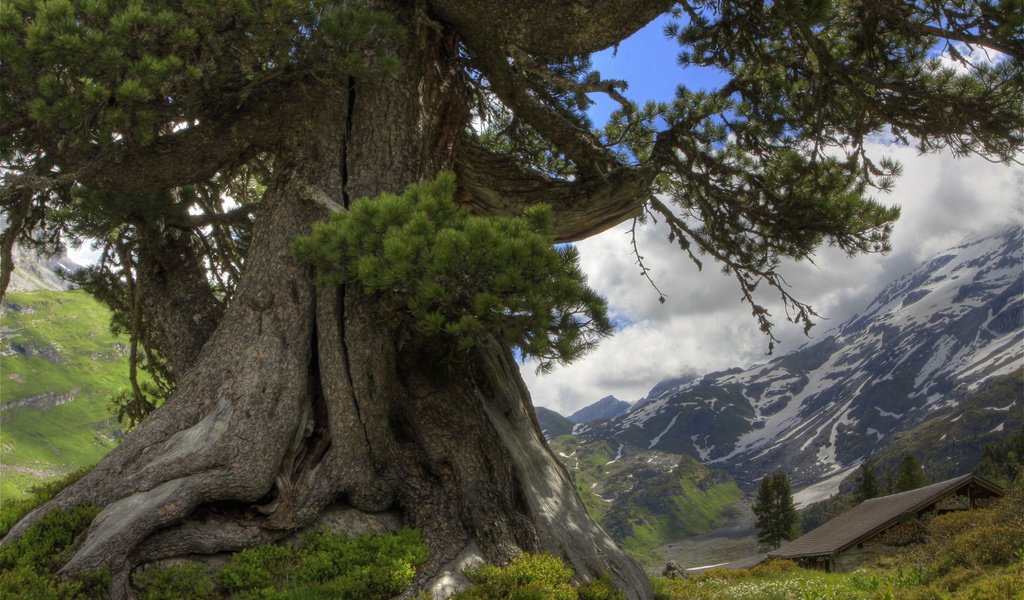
{"type": "Point", "coordinates": [648, 61]}
{"type": "Point", "coordinates": [703, 326]}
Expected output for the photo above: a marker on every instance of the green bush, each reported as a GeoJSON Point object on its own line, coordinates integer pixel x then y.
{"type": "Point", "coordinates": [26, 583]}
{"type": "Point", "coordinates": [15, 510]}
{"type": "Point", "coordinates": [47, 544]}
{"type": "Point", "coordinates": [443, 275]}
{"type": "Point", "coordinates": [187, 581]}
{"type": "Point", "coordinates": [532, 577]}
{"type": "Point", "coordinates": [256, 569]}
{"type": "Point", "coordinates": [332, 567]}
{"type": "Point", "coordinates": [370, 566]}
{"type": "Point", "coordinates": [997, 585]}
{"type": "Point", "coordinates": [27, 563]}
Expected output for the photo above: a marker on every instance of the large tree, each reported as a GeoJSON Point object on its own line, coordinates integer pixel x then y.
{"type": "Point", "coordinates": [131, 121]}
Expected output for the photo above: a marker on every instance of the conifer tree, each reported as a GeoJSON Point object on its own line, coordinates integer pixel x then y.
{"type": "Point", "coordinates": [777, 519]}
{"type": "Point", "coordinates": [867, 481]}
{"type": "Point", "coordinates": [910, 475]}
{"type": "Point", "coordinates": [130, 122]}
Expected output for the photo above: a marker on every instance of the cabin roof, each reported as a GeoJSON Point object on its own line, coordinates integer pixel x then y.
{"type": "Point", "coordinates": [875, 515]}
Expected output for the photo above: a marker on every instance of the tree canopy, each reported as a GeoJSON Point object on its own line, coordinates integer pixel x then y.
{"type": "Point", "coordinates": [133, 99]}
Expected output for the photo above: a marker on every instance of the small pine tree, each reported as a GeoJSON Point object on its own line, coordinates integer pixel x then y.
{"type": "Point", "coordinates": [867, 481]}
{"type": "Point", "coordinates": [909, 475]}
{"type": "Point", "coordinates": [777, 520]}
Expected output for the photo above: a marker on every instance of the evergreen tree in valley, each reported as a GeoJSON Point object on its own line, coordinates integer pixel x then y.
{"type": "Point", "coordinates": [867, 481]}
{"type": "Point", "coordinates": [909, 475]}
{"type": "Point", "coordinates": [777, 519]}
{"type": "Point", "coordinates": [341, 371]}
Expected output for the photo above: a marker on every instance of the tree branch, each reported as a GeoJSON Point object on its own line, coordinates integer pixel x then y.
{"type": "Point", "coordinates": [514, 91]}
{"type": "Point", "coordinates": [549, 28]}
{"type": "Point", "coordinates": [493, 184]}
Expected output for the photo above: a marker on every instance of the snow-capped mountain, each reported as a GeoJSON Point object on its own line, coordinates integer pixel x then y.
{"type": "Point", "coordinates": [926, 340]}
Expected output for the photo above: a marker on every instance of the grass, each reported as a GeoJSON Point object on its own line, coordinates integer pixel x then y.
{"type": "Point", "coordinates": [59, 343]}
{"type": "Point", "coordinates": [658, 497]}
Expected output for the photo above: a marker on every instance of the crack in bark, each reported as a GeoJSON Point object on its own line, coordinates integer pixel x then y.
{"type": "Point", "coordinates": [347, 364]}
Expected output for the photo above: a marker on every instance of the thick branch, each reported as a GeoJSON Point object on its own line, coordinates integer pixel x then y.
{"type": "Point", "coordinates": [550, 28]}
{"type": "Point", "coordinates": [493, 184]}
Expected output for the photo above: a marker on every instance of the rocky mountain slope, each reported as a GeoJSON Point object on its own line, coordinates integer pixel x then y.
{"type": "Point", "coordinates": [926, 341]}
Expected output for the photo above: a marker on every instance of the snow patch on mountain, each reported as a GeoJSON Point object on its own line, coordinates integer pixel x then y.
{"type": "Point", "coordinates": [953, 323]}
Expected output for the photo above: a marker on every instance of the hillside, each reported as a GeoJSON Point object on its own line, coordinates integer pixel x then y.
{"type": "Point", "coordinates": [647, 499]}
{"type": "Point", "coordinates": [551, 423]}
{"type": "Point", "coordinates": [923, 345]}
{"type": "Point", "coordinates": [605, 408]}
{"type": "Point", "coordinates": [59, 365]}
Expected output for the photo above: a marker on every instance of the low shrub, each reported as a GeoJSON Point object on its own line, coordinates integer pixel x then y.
{"type": "Point", "coordinates": [47, 544]}
{"type": "Point", "coordinates": [332, 567]}
{"type": "Point", "coordinates": [27, 563]}
{"type": "Point", "coordinates": [15, 510]}
{"type": "Point", "coordinates": [533, 577]}
{"type": "Point", "coordinates": [186, 581]}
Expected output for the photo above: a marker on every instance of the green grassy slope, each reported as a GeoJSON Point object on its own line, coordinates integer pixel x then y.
{"type": "Point", "coordinates": [59, 365]}
{"type": "Point", "coordinates": [647, 499]}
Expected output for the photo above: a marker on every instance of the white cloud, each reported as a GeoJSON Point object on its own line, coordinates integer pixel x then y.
{"type": "Point", "coordinates": [704, 327]}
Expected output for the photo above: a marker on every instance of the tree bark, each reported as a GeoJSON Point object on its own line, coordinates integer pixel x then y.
{"type": "Point", "coordinates": [176, 295]}
{"type": "Point", "coordinates": [303, 398]}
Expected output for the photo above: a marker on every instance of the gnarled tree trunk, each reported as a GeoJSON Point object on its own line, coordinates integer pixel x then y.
{"type": "Point", "coordinates": [303, 398]}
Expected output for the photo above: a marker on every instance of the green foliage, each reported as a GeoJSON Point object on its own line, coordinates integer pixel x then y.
{"type": "Point", "coordinates": [975, 539]}
{"type": "Point", "coordinates": [14, 510]}
{"type": "Point", "coordinates": [370, 567]}
{"type": "Point", "coordinates": [27, 564]}
{"type": "Point", "coordinates": [47, 543]}
{"type": "Point", "coordinates": [441, 273]}
{"type": "Point", "coordinates": [69, 350]}
{"type": "Point", "coordinates": [256, 569]}
{"type": "Point", "coordinates": [777, 519]}
{"type": "Point", "coordinates": [867, 481]}
{"type": "Point", "coordinates": [96, 71]}
{"type": "Point", "coordinates": [909, 475]}
{"type": "Point", "coordinates": [532, 577]}
{"type": "Point", "coordinates": [186, 581]}
{"type": "Point", "coordinates": [25, 583]}
{"type": "Point", "coordinates": [1003, 462]}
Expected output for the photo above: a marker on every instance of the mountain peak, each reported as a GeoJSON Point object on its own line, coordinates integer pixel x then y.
{"type": "Point", "coordinates": [605, 408]}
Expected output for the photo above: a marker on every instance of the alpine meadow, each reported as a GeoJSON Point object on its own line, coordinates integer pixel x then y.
{"type": "Point", "coordinates": [332, 229]}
